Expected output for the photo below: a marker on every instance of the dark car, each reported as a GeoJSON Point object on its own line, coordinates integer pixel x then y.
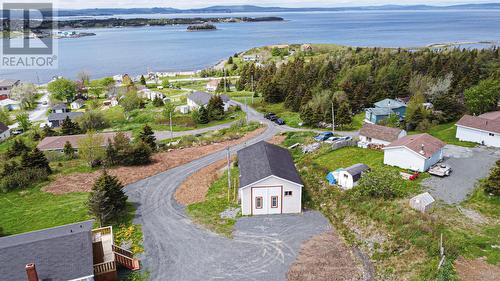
{"type": "Point", "coordinates": [323, 136]}
{"type": "Point", "coordinates": [273, 118]}
{"type": "Point", "coordinates": [269, 115]}
{"type": "Point", "coordinates": [279, 121]}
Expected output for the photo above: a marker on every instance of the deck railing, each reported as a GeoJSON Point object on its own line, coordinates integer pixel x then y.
{"type": "Point", "coordinates": [104, 267]}
{"type": "Point", "coordinates": [130, 263]}
{"type": "Point", "coordinates": [122, 251]}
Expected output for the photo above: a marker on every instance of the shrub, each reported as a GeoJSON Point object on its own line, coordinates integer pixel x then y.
{"type": "Point", "coordinates": [492, 183]}
{"type": "Point", "coordinates": [23, 178]}
{"type": "Point", "coordinates": [379, 183]}
{"type": "Point", "coordinates": [93, 120]}
{"type": "Point", "coordinates": [107, 202]}
{"type": "Point", "coordinates": [17, 148]}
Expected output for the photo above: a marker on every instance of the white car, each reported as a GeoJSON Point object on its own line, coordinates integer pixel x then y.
{"type": "Point", "coordinates": [331, 140]}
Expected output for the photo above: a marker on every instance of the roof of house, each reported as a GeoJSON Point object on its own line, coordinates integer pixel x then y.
{"type": "Point", "coordinates": [200, 98]}
{"type": "Point", "coordinates": [380, 132]}
{"type": "Point", "coordinates": [213, 83]}
{"type": "Point", "coordinates": [59, 106]}
{"type": "Point", "coordinates": [480, 123]}
{"type": "Point", "coordinates": [62, 116]}
{"type": "Point", "coordinates": [389, 103]}
{"type": "Point", "coordinates": [8, 82]}
{"type": "Point", "coordinates": [3, 127]}
{"type": "Point", "coordinates": [59, 253]}
{"type": "Point", "coordinates": [261, 160]}
{"type": "Point", "coordinates": [493, 115]}
{"type": "Point", "coordinates": [79, 101]}
{"type": "Point", "coordinates": [380, 110]}
{"type": "Point", "coordinates": [8, 102]}
{"type": "Point", "coordinates": [423, 144]}
{"type": "Point", "coordinates": [58, 142]}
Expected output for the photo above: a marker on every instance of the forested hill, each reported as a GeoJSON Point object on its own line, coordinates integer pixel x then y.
{"type": "Point", "coordinates": [454, 81]}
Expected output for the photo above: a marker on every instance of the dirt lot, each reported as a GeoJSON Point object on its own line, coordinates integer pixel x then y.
{"type": "Point", "coordinates": [325, 257]}
{"type": "Point", "coordinates": [278, 139]}
{"type": "Point", "coordinates": [476, 270]}
{"type": "Point", "coordinates": [194, 189]}
{"type": "Point", "coordinates": [82, 182]}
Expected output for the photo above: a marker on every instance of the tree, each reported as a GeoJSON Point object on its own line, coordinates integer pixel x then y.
{"type": "Point", "coordinates": [127, 81]}
{"type": "Point", "coordinates": [90, 148]}
{"type": "Point", "coordinates": [84, 77]}
{"type": "Point", "coordinates": [147, 136]}
{"type": "Point", "coordinates": [24, 121]}
{"type": "Point", "coordinates": [168, 109]}
{"type": "Point", "coordinates": [143, 80]}
{"type": "Point", "coordinates": [201, 116]}
{"type": "Point", "coordinates": [25, 93]}
{"type": "Point", "coordinates": [93, 120]}
{"type": "Point", "coordinates": [5, 117]}
{"type": "Point", "coordinates": [223, 86]}
{"type": "Point", "coordinates": [69, 127]}
{"type": "Point", "coordinates": [139, 155]}
{"type": "Point", "coordinates": [158, 102]}
{"type": "Point", "coordinates": [107, 201]}
{"type": "Point", "coordinates": [111, 154]}
{"type": "Point", "coordinates": [62, 89]}
{"type": "Point", "coordinates": [343, 116]}
{"type": "Point", "coordinates": [492, 183]}
{"type": "Point", "coordinates": [215, 108]}
{"type": "Point", "coordinates": [130, 101]}
{"type": "Point", "coordinates": [379, 183]}
{"type": "Point", "coordinates": [36, 160]}
{"type": "Point", "coordinates": [69, 151]}
{"type": "Point", "coordinates": [96, 88]}
{"type": "Point", "coordinates": [48, 131]}
{"type": "Point", "coordinates": [415, 112]}
{"type": "Point", "coordinates": [230, 60]}
{"type": "Point", "coordinates": [17, 148]}
{"type": "Point", "coordinates": [484, 97]}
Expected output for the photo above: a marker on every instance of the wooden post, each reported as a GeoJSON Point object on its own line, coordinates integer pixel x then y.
{"type": "Point", "coordinates": [171, 131]}
{"type": "Point", "coordinates": [333, 119]}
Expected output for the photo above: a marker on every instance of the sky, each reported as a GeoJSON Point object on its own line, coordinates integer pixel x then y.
{"type": "Point", "coordinates": [185, 4]}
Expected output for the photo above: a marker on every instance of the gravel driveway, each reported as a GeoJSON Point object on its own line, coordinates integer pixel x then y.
{"type": "Point", "coordinates": [176, 249]}
{"type": "Point", "coordinates": [469, 165]}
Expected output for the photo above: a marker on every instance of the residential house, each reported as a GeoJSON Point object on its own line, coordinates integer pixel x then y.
{"type": "Point", "coordinates": [59, 108]}
{"type": "Point", "coordinates": [5, 86]}
{"type": "Point", "coordinates": [248, 58]}
{"type": "Point", "coordinates": [56, 119]}
{"type": "Point", "coordinates": [383, 109]}
{"type": "Point", "coordinates": [197, 99]}
{"type": "Point", "coordinates": [56, 143]}
{"type": "Point", "coordinates": [77, 104]}
{"type": "Point", "coordinates": [269, 181]}
{"type": "Point", "coordinates": [378, 135]}
{"type": "Point", "coordinates": [112, 102]}
{"type": "Point", "coordinates": [483, 129]}
{"type": "Point", "coordinates": [306, 48]}
{"type": "Point", "coordinates": [212, 85]}
{"type": "Point", "coordinates": [151, 95]}
{"type": "Point", "coordinates": [4, 132]}
{"type": "Point", "coordinates": [422, 202]}
{"type": "Point", "coordinates": [70, 252]}
{"type": "Point", "coordinates": [9, 104]}
{"type": "Point", "coordinates": [414, 152]}
{"type": "Point", "coordinates": [347, 178]}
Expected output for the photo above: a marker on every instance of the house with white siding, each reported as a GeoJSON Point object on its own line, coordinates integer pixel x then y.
{"type": "Point", "coordinates": [414, 152]}
{"type": "Point", "coordinates": [379, 135]}
{"type": "Point", "coordinates": [483, 129]}
{"type": "Point", "coordinates": [198, 99]}
{"type": "Point", "coordinates": [4, 132]}
{"type": "Point", "coordinates": [269, 181]}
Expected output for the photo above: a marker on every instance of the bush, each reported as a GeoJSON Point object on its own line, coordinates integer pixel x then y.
{"type": "Point", "coordinates": [23, 178]}
{"type": "Point", "coordinates": [379, 183]}
{"type": "Point", "coordinates": [93, 120]}
{"type": "Point", "coordinates": [17, 148]}
{"type": "Point", "coordinates": [492, 183]}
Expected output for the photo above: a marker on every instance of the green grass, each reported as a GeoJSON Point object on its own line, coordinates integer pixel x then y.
{"type": "Point", "coordinates": [291, 118]}
{"type": "Point", "coordinates": [32, 209]}
{"type": "Point", "coordinates": [348, 156]}
{"type": "Point", "coordinates": [207, 213]}
{"type": "Point", "coordinates": [447, 133]}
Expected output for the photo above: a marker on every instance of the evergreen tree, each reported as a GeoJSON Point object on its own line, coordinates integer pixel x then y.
{"type": "Point", "coordinates": [35, 159]}
{"type": "Point", "coordinates": [69, 127]}
{"type": "Point", "coordinates": [48, 131]}
{"type": "Point", "coordinates": [111, 154]}
{"type": "Point", "coordinates": [220, 87]}
{"type": "Point", "coordinates": [17, 148]}
{"type": "Point", "coordinates": [9, 168]}
{"type": "Point", "coordinates": [492, 183]}
{"type": "Point", "coordinates": [344, 115]}
{"type": "Point", "coordinates": [158, 102]}
{"type": "Point", "coordinates": [202, 116]}
{"type": "Point", "coordinates": [215, 108]}
{"type": "Point", "coordinates": [230, 60]}
{"type": "Point", "coordinates": [143, 80]}
{"type": "Point", "coordinates": [140, 154]}
{"type": "Point", "coordinates": [107, 201]}
{"type": "Point", "coordinates": [147, 136]}
{"type": "Point", "coordinates": [68, 150]}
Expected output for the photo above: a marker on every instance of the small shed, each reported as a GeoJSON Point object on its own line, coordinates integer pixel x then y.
{"type": "Point", "coordinates": [422, 202]}
{"type": "Point", "coordinates": [348, 177]}
{"type": "Point", "coordinates": [331, 177]}
{"type": "Point", "coordinates": [77, 104]}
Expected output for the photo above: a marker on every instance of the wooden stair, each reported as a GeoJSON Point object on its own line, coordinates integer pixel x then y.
{"type": "Point", "coordinates": [125, 258]}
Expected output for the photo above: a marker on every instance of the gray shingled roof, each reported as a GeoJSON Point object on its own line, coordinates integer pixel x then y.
{"type": "Point", "coordinates": [389, 103]}
{"type": "Point", "coordinates": [3, 127]}
{"type": "Point", "coordinates": [380, 111]}
{"type": "Point", "coordinates": [200, 98]}
{"type": "Point", "coordinates": [59, 106]}
{"type": "Point", "coordinates": [263, 159]}
{"type": "Point", "coordinates": [59, 253]}
{"type": "Point", "coordinates": [62, 116]}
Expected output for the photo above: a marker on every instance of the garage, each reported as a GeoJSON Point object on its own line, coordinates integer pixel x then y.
{"type": "Point", "coordinates": [269, 181]}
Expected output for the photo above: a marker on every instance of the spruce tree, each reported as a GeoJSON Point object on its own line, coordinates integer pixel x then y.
{"type": "Point", "coordinates": [492, 183]}
{"type": "Point", "coordinates": [36, 160]}
{"type": "Point", "coordinates": [69, 127]}
{"type": "Point", "coordinates": [17, 148]}
{"type": "Point", "coordinates": [111, 154]}
{"type": "Point", "coordinates": [215, 108]}
{"type": "Point", "coordinates": [143, 80]}
{"type": "Point", "coordinates": [107, 201]}
{"type": "Point", "coordinates": [203, 117]}
{"type": "Point", "coordinates": [48, 131]}
{"type": "Point", "coordinates": [147, 136]}
{"type": "Point", "coordinates": [68, 150]}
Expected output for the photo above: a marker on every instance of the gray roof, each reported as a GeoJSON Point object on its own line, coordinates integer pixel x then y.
{"type": "Point", "coordinates": [200, 98]}
{"type": "Point", "coordinates": [356, 170]}
{"type": "Point", "coordinates": [263, 159]}
{"type": "Point", "coordinates": [389, 103]}
{"type": "Point", "coordinates": [8, 82]}
{"type": "Point", "coordinates": [59, 106]}
{"type": "Point", "coordinates": [62, 116]}
{"type": "Point", "coordinates": [59, 253]}
{"type": "Point", "coordinates": [380, 111]}
{"type": "Point", "coordinates": [3, 127]}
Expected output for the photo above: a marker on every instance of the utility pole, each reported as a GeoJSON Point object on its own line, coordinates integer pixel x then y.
{"type": "Point", "coordinates": [224, 71]}
{"type": "Point", "coordinates": [228, 174]}
{"type": "Point", "coordinates": [171, 131]}
{"type": "Point", "coordinates": [333, 119]}
{"type": "Point", "coordinates": [253, 89]}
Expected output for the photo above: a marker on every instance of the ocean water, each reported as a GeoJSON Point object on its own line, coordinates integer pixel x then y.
{"type": "Point", "coordinates": [172, 48]}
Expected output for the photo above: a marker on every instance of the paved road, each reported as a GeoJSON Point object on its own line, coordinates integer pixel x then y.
{"type": "Point", "coordinates": [469, 165]}
{"type": "Point", "coordinates": [39, 113]}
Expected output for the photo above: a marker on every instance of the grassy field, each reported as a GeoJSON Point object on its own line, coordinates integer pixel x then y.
{"type": "Point", "coordinates": [447, 133]}
{"type": "Point", "coordinates": [207, 213]}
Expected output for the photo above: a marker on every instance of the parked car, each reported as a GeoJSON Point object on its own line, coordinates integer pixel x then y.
{"type": "Point", "coordinates": [279, 121]}
{"type": "Point", "coordinates": [331, 140]}
{"type": "Point", "coordinates": [273, 118]}
{"type": "Point", "coordinates": [269, 115]}
{"type": "Point", "coordinates": [323, 136]}
{"type": "Point", "coordinates": [440, 170]}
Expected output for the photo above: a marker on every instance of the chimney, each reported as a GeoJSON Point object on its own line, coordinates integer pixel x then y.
{"type": "Point", "coordinates": [422, 151]}
{"type": "Point", "coordinates": [31, 271]}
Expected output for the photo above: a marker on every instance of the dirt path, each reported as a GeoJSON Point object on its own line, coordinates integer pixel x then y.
{"type": "Point", "coordinates": [476, 270]}
{"type": "Point", "coordinates": [163, 161]}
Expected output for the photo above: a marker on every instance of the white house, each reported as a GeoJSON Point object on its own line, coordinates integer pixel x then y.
{"type": "Point", "coordinates": [9, 104]}
{"type": "Point", "coordinates": [197, 99]}
{"type": "Point", "coordinates": [483, 129]}
{"type": "Point", "coordinates": [414, 152]}
{"type": "Point", "coordinates": [150, 94]}
{"type": "Point", "coordinates": [77, 104]}
{"type": "Point", "coordinates": [4, 132]}
{"type": "Point", "coordinates": [250, 58]}
{"type": "Point", "coordinates": [379, 135]}
{"type": "Point", "coordinates": [212, 85]}
{"type": "Point", "coordinates": [269, 181]}
{"type": "Point", "coordinates": [59, 108]}
{"type": "Point", "coordinates": [422, 202]}
{"type": "Point", "coordinates": [347, 178]}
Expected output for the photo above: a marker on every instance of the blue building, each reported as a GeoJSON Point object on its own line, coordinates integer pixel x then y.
{"type": "Point", "coordinates": [383, 109]}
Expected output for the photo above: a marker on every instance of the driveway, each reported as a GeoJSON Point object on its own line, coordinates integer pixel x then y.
{"type": "Point", "coordinates": [469, 165]}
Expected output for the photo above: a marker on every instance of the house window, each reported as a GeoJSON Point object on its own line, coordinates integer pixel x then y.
{"type": "Point", "coordinates": [288, 193]}
{"type": "Point", "coordinates": [258, 202]}
{"type": "Point", "coordinates": [368, 139]}
{"type": "Point", "coordinates": [274, 201]}
{"type": "Point", "coordinates": [492, 135]}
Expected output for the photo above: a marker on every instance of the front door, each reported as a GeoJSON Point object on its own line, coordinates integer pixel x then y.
{"type": "Point", "coordinates": [266, 200]}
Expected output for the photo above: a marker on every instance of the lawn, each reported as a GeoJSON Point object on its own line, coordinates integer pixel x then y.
{"type": "Point", "coordinates": [291, 118]}
{"type": "Point", "coordinates": [207, 213]}
{"type": "Point", "coordinates": [447, 133]}
{"type": "Point", "coordinates": [348, 156]}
